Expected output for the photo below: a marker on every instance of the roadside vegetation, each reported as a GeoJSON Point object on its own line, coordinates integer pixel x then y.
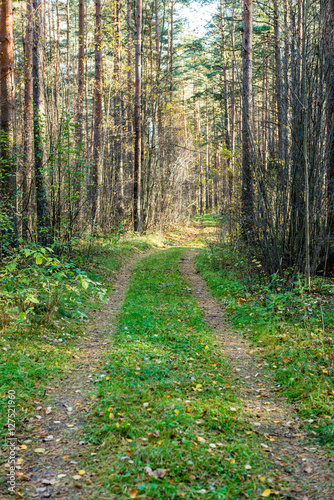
{"type": "Point", "coordinates": [46, 298]}
{"type": "Point", "coordinates": [291, 328]}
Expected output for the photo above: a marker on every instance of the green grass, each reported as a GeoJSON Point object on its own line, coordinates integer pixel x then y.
{"type": "Point", "coordinates": [33, 356]}
{"type": "Point", "coordinates": [165, 401]}
{"type": "Point", "coordinates": [293, 331]}
{"type": "Point", "coordinates": [208, 220]}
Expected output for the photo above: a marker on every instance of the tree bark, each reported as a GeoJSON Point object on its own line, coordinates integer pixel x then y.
{"type": "Point", "coordinates": [43, 221]}
{"type": "Point", "coordinates": [137, 123]}
{"type": "Point", "coordinates": [28, 119]}
{"type": "Point", "coordinates": [7, 106]}
{"type": "Point", "coordinates": [247, 117]}
{"type": "Point", "coordinates": [80, 97]}
{"type": "Point", "coordinates": [97, 142]}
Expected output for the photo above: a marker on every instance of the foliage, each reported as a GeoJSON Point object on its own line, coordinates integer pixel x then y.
{"type": "Point", "coordinates": [42, 321]}
{"type": "Point", "coordinates": [292, 329]}
{"type": "Point", "coordinates": [35, 285]}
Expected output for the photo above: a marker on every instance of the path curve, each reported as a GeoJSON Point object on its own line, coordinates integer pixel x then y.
{"type": "Point", "coordinates": [300, 461]}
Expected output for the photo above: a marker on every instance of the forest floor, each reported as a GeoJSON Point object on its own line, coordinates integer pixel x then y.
{"type": "Point", "coordinates": [164, 399]}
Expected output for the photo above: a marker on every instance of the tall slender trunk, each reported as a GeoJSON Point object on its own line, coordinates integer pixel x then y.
{"type": "Point", "coordinates": [97, 142]}
{"type": "Point", "coordinates": [137, 123]}
{"type": "Point", "coordinates": [171, 47]}
{"type": "Point", "coordinates": [207, 159]}
{"type": "Point", "coordinates": [80, 97]}
{"type": "Point", "coordinates": [7, 106]}
{"type": "Point", "coordinates": [226, 104]}
{"type": "Point", "coordinates": [233, 108]}
{"type": "Point", "coordinates": [305, 99]}
{"type": "Point", "coordinates": [329, 41]}
{"type": "Point", "coordinates": [28, 120]}
{"type": "Point", "coordinates": [43, 221]}
{"type": "Point", "coordinates": [68, 55]}
{"type": "Point", "coordinates": [279, 91]}
{"type": "Point", "coordinates": [247, 117]}
{"type": "Point", "coordinates": [129, 90]}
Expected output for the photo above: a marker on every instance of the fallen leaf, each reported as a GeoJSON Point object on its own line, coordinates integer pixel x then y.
{"type": "Point", "coordinates": [248, 467]}
{"type": "Point", "coordinates": [201, 439]}
{"type": "Point", "coordinates": [266, 493]}
{"type": "Point", "coordinates": [159, 473]}
{"type": "Point", "coordinates": [76, 477]}
{"type": "Point", "coordinates": [39, 450]}
{"type": "Point", "coordinates": [48, 481]}
{"type": "Point", "coordinates": [23, 446]}
{"type": "Point", "coordinates": [82, 472]}
{"type": "Point", "coordinates": [133, 493]}
{"type": "Point", "coordinates": [308, 469]}
{"type": "Point", "coordinates": [25, 478]}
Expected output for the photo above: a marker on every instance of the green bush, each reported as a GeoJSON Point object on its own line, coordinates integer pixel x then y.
{"type": "Point", "coordinates": [36, 285]}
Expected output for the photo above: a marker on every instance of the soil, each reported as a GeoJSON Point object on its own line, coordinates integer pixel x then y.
{"type": "Point", "coordinates": [69, 402]}
{"type": "Point", "coordinates": [302, 466]}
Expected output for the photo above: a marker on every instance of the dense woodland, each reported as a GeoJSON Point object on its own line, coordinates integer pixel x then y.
{"type": "Point", "coordinates": [116, 113]}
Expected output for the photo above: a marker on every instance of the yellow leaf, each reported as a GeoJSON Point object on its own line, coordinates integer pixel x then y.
{"type": "Point", "coordinates": [111, 415]}
{"type": "Point", "coordinates": [262, 478]}
{"type": "Point", "coordinates": [23, 446]}
{"type": "Point", "coordinates": [266, 493]}
{"type": "Point", "coordinates": [39, 450]}
{"type": "Point", "coordinates": [133, 493]}
{"type": "Point", "coordinates": [82, 472]}
{"type": "Point", "coordinates": [232, 461]}
{"type": "Point", "coordinates": [201, 439]}
{"type": "Point", "coordinates": [107, 378]}
{"type": "Point", "coordinates": [176, 412]}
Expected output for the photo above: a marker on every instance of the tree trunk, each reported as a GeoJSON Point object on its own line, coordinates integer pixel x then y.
{"type": "Point", "coordinates": [97, 142]}
{"type": "Point", "coordinates": [226, 105]}
{"type": "Point", "coordinates": [137, 124]}
{"type": "Point", "coordinates": [329, 41]}
{"type": "Point", "coordinates": [247, 117]}
{"type": "Point", "coordinates": [7, 106]}
{"type": "Point", "coordinates": [28, 120]}
{"type": "Point", "coordinates": [43, 222]}
{"type": "Point", "coordinates": [279, 92]}
{"type": "Point", "coordinates": [79, 117]}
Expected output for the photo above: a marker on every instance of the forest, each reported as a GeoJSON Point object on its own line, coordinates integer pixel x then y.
{"type": "Point", "coordinates": [167, 249]}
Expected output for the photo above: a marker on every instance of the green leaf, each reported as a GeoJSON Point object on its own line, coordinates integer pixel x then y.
{"type": "Point", "coordinates": [39, 259]}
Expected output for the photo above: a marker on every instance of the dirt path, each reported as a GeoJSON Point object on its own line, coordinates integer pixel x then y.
{"type": "Point", "coordinates": [58, 422]}
{"type": "Point", "coordinates": [300, 463]}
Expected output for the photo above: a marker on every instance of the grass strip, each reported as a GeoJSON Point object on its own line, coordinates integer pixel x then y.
{"type": "Point", "coordinates": [292, 331]}
{"type": "Point", "coordinates": [167, 422]}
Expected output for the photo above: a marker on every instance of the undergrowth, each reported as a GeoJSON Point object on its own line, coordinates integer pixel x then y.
{"type": "Point", "coordinates": [45, 302]}
{"type": "Point", "coordinates": [292, 330]}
